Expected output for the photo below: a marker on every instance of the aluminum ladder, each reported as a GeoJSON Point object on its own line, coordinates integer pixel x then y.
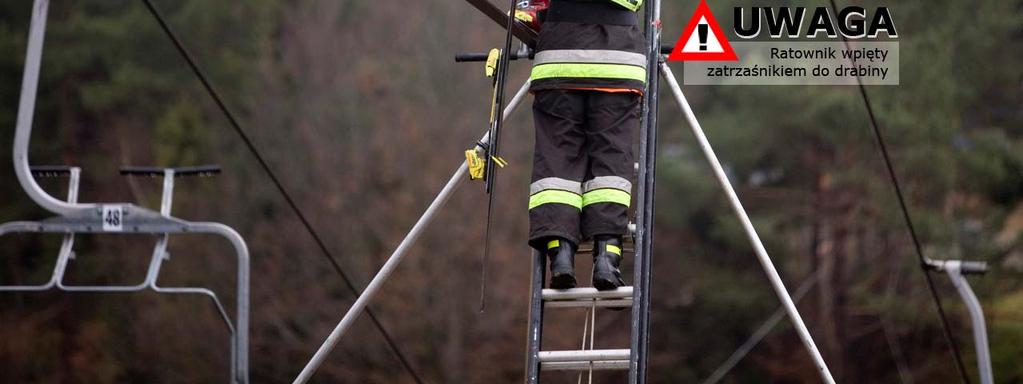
{"type": "Point", "coordinates": [587, 358]}
{"type": "Point", "coordinates": [637, 296]}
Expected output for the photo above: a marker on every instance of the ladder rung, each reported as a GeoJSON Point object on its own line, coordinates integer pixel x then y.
{"type": "Point", "coordinates": [585, 365]}
{"type": "Point", "coordinates": [587, 303]}
{"type": "Point", "coordinates": [585, 356]}
{"type": "Point", "coordinates": [586, 293]}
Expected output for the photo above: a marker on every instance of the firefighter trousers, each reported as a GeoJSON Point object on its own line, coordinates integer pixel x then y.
{"type": "Point", "coordinates": [582, 164]}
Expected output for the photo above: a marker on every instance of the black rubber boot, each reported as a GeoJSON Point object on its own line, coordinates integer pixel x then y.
{"type": "Point", "coordinates": [607, 256]}
{"type": "Point", "coordinates": [562, 255]}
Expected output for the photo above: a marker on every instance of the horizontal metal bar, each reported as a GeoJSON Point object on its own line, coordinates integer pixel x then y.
{"type": "Point", "coordinates": [965, 267]}
{"type": "Point", "coordinates": [587, 303]}
{"type": "Point", "coordinates": [51, 170]}
{"type": "Point", "coordinates": [586, 293]}
{"type": "Point", "coordinates": [201, 170]}
{"type": "Point", "coordinates": [586, 355]}
{"type": "Point", "coordinates": [585, 365]}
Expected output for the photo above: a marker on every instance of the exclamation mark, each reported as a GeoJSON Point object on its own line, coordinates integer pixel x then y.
{"type": "Point", "coordinates": [702, 31]}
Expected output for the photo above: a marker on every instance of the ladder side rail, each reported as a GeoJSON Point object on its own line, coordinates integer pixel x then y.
{"type": "Point", "coordinates": [534, 335]}
{"type": "Point", "coordinates": [644, 231]}
{"type": "Point", "coordinates": [399, 253]}
{"type": "Point", "coordinates": [751, 234]}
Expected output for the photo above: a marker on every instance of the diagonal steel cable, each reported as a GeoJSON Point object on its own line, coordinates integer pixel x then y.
{"type": "Point", "coordinates": [277, 183]}
{"type": "Point", "coordinates": [946, 327]}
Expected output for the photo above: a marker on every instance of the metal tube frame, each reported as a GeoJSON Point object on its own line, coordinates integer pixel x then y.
{"type": "Point", "coordinates": [26, 112]}
{"type": "Point", "coordinates": [239, 332]}
{"type": "Point", "coordinates": [74, 217]}
{"type": "Point", "coordinates": [956, 271]}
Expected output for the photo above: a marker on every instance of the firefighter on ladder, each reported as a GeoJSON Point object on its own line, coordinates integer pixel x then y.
{"type": "Point", "coordinates": [588, 78]}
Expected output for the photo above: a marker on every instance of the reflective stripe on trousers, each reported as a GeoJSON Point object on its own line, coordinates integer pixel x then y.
{"type": "Point", "coordinates": [607, 189]}
{"type": "Point", "coordinates": [553, 190]}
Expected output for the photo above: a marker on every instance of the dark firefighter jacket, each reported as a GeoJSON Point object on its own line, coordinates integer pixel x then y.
{"type": "Point", "coordinates": [591, 45]}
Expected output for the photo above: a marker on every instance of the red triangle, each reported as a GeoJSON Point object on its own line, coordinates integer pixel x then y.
{"type": "Point", "coordinates": [703, 11]}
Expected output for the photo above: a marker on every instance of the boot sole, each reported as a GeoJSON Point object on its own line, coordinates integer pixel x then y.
{"type": "Point", "coordinates": [606, 284]}
{"type": "Point", "coordinates": [563, 281]}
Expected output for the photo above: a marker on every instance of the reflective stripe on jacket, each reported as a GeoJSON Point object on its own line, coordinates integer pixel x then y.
{"type": "Point", "coordinates": [593, 44]}
{"type": "Point", "coordinates": [632, 5]}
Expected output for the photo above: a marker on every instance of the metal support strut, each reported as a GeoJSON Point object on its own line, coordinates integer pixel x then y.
{"type": "Point", "coordinates": [747, 225]}
{"type": "Point", "coordinates": [399, 253]}
{"type": "Point", "coordinates": [956, 271]}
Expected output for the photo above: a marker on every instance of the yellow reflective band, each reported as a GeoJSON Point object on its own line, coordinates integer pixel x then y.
{"type": "Point", "coordinates": [614, 249]}
{"type": "Point", "coordinates": [524, 17]}
{"type": "Point", "coordinates": [553, 196]}
{"type": "Point", "coordinates": [607, 195]}
{"type": "Point", "coordinates": [632, 5]}
{"type": "Point", "coordinates": [576, 70]}
{"type": "Point", "coordinates": [553, 244]}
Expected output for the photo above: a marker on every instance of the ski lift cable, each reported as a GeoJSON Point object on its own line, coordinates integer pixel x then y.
{"type": "Point", "coordinates": [882, 146]}
{"type": "Point", "coordinates": [277, 183]}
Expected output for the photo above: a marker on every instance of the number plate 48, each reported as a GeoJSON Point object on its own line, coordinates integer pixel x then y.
{"type": "Point", "coordinates": [113, 218]}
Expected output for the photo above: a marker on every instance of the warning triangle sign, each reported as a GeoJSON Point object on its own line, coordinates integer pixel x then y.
{"type": "Point", "coordinates": [703, 39]}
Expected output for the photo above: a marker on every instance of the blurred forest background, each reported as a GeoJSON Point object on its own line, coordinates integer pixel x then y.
{"type": "Point", "coordinates": [360, 108]}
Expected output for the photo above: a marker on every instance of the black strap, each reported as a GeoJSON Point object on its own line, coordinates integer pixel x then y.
{"type": "Point", "coordinates": [590, 12]}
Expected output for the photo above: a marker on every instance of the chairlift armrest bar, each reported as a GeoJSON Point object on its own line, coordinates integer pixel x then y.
{"type": "Point", "coordinates": [965, 267]}
{"type": "Point", "coordinates": [973, 268]}
{"type": "Point", "coordinates": [51, 170]}
{"type": "Point", "coordinates": [201, 170]}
